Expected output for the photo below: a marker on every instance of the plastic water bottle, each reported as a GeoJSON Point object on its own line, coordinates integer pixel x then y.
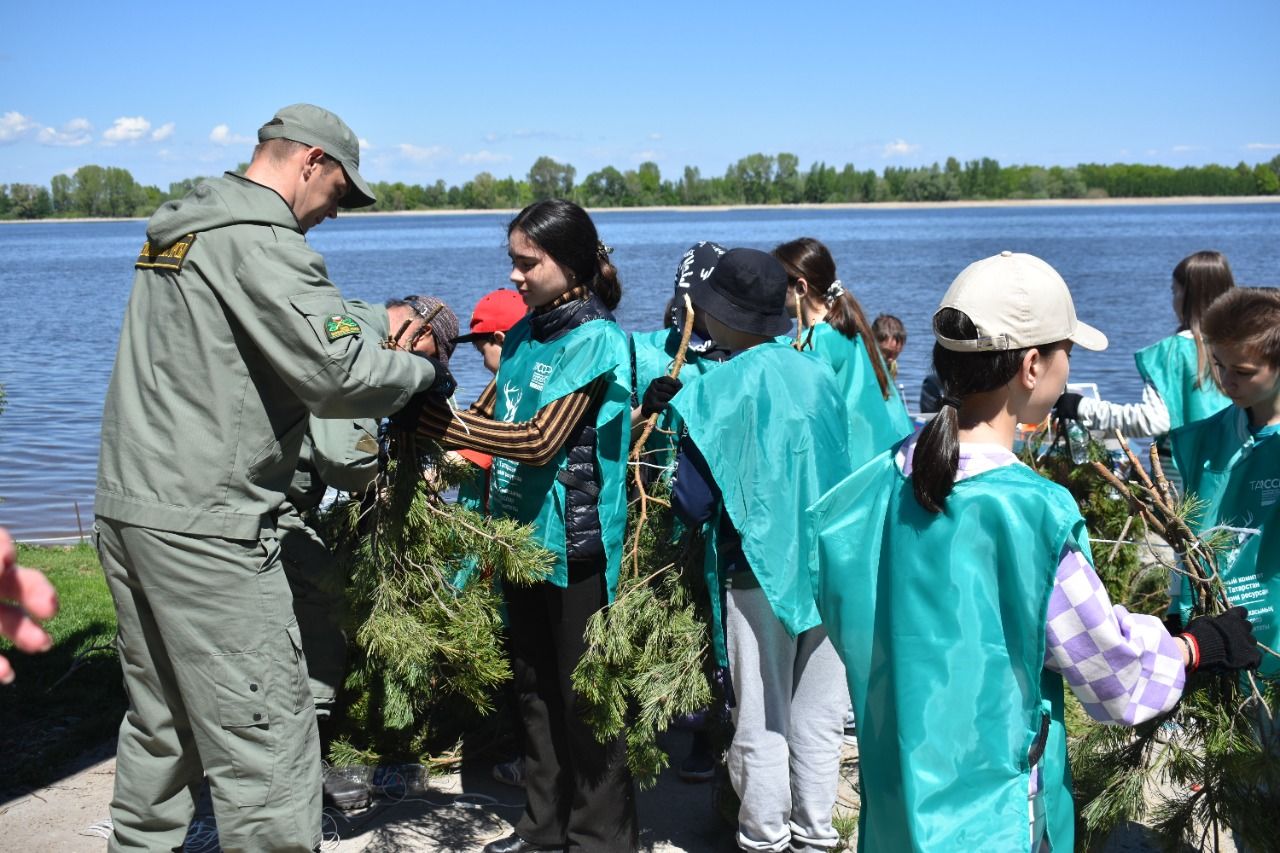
{"type": "Point", "coordinates": [1078, 442]}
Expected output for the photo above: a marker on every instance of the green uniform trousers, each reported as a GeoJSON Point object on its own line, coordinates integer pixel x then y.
{"type": "Point", "coordinates": [217, 688]}
{"type": "Point", "coordinates": [319, 599]}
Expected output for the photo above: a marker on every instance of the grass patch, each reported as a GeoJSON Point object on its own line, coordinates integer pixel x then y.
{"type": "Point", "coordinates": [70, 698]}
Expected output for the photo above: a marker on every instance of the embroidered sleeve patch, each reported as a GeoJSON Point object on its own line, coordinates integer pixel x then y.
{"type": "Point", "coordinates": [339, 326]}
{"type": "Point", "coordinates": [168, 258]}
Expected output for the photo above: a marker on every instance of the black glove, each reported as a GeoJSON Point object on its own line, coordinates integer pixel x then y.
{"type": "Point", "coordinates": [659, 394]}
{"type": "Point", "coordinates": [1225, 641]}
{"type": "Point", "coordinates": [445, 384]}
{"type": "Point", "coordinates": [406, 420]}
{"type": "Point", "coordinates": [438, 394]}
{"type": "Point", "coordinates": [1173, 623]}
{"type": "Point", "coordinates": [1068, 407]}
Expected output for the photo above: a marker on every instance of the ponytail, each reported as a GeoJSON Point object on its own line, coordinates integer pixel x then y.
{"type": "Point", "coordinates": [937, 453]}
{"type": "Point", "coordinates": [565, 231]}
{"type": "Point", "coordinates": [808, 259]}
{"type": "Point", "coordinates": [605, 282]}
{"type": "Point", "coordinates": [845, 315]}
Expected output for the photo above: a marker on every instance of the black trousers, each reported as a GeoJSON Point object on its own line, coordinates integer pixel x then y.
{"type": "Point", "coordinates": [579, 790]}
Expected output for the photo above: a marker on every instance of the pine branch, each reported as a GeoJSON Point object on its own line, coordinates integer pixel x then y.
{"type": "Point", "coordinates": [1214, 771]}
{"type": "Point", "coordinates": [422, 637]}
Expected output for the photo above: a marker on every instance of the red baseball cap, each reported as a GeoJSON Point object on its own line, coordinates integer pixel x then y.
{"type": "Point", "coordinates": [496, 311]}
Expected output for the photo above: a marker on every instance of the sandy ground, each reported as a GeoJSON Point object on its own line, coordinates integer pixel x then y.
{"type": "Point", "coordinates": [459, 813]}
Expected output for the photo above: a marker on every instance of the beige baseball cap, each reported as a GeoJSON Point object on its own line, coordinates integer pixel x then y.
{"type": "Point", "coordinates": [1016, 301]}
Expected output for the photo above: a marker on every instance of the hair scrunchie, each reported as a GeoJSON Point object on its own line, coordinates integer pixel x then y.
{"type": "Point", "coordinates": [835, 291]}
{"type": "Point", "coordinates": [948, 400]}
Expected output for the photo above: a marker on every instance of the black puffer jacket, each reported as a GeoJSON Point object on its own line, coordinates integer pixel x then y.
{"type": "Point", "coordinates": [584, 544]}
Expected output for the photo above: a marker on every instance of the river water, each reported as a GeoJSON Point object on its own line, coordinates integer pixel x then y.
{"type": "Point", "coordinates": [63, 288]}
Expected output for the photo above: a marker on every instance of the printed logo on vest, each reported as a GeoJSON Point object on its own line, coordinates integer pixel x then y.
{"type": "Point", "coordinates": [512, 394]}
{"type": "Point", "coordinates": [1269, 488]}
{"type": "Point", "coordinates": [541, 373]}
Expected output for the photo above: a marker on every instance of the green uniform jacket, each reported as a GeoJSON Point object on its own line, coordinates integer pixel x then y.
{"type": "Point", "coordinates": [1169, 365]}
{"type": "Point", "coordinates": [233, 334]}
{"type": "Point", "coordinates": [340, 452]}
{"type": "Point", "coordinates": [1236, 475]}
{"type": "Point", "coordinates": [875, 424]}
{"type": "Point", "coordinates": [770, 424]}
{"type": "Point", "coordinates": [941, 622]}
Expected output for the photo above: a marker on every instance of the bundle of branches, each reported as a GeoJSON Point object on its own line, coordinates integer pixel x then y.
{"type": "Point", "coordinates": [648, 653]}
{"type": "Point", "coordinates": [422, 638]}
{"type": "Point", "coordinates": [1060, 454]}
{"type": "Point", "coordinates": [1209, 765]}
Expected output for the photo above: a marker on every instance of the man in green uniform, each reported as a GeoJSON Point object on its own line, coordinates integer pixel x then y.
{"type": "Point", "coordinates": [233, 335]}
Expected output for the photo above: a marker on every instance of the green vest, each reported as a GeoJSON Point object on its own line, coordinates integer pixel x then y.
{"type": "Point", "coordinates": [533, 375]}
{"type": "Point", "coordinates": [875, 424]}
{"type": "Point", "coordinates": [1236, 474]}
{"type": "Point", "coordinates": [1170, 366]}
{"type": "Point", "coordinates": [652, 354]}
{"type": "Point", "coordinates": [771, 427]}
{"type": "Point", "coordinates": [941, 620]}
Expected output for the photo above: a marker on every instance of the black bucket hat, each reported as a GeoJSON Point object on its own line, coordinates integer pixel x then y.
{"type": "Point", "coordinates": [746, 291]}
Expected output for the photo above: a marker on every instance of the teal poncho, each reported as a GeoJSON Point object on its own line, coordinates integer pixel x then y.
{"type": "Point", "coordinates": [874, 423]}
{"type": "Point", "coordinates": [1236, 475]}
{"type": "Point", "coordinates": [940, 621]}
{"type": "Point", "coordinates": [770, 424]}
{"type": "Point", "coordinates": [533, 375]}
{"type": "Point", "coordinates": [1170, 366]}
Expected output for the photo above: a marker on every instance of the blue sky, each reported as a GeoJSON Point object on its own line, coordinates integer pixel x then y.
{"type": "Point", "coordinates": [449, 90]}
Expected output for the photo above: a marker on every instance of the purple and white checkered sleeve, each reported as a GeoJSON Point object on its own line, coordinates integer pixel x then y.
{"type": "Point", "coordinates": [1124, 667]}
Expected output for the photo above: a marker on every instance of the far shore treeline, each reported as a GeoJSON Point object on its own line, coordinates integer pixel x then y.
{"type": "Point", "coordinates": [109, 191]}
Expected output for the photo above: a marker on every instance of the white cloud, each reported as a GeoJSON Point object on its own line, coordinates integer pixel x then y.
{"type": "Point", "coordinates": [1184, 149]}
{"type": "Point", "coordinates": [644, 156]}
{"type": "Point", "coordinates": [365, 145]}
{"type": "Point", "coordinates": [14, 126]}
{"type": "Point", "coordinates": [222, 135]}
{"type": "Point", "coordinates": [163, 132]}
{"type": "Point", "coordinates": [127, 129]}
{"type": "Point", "coordinates": [76, 132]}
{"type": "Point", "coordinates": [419, 154]}
{"type": "Point", "coordinates": [1252, 146]}
{"type": "Point", "coordinates": [479, 157]}
{"type": "Point", "coordinates": [899, 148]}
{"type": "Point", "coordinates": [655, 136]}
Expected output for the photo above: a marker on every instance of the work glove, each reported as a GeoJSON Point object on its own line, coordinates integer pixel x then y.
{"type": "Point", "coordinates": [1225, 641]}
{"type": "Point", "coordinates": [437, 394]}
{"type": "Point", "coordinates": [1173, 623]}
{"type": "Point", "coordinates": [1068, 407]}
{"type": "Point", "coordinates": [659, 394]}
{"type": "Point", "coordinates": [444, 385]}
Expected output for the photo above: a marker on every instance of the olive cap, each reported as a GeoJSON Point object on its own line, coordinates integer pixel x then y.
{"type": "Point", "coordinates": [319, 128]}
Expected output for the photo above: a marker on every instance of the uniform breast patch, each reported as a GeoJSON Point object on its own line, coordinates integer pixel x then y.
{"type": "Point", "coordinates": [339, 326]}
{"type": "Point", "coordinates": [166, 258]}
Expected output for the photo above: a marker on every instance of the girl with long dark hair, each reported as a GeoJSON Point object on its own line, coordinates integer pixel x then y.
{"type": "Point", "coordinates": [556, 420]}
{"type": "Point", "coordinates": [1176, 371]}
{"type": "Point", "coordinates": [834, 328]}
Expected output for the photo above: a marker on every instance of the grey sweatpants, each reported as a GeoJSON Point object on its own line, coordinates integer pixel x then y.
{"type": "Point", "coordinates": [217, 688]}
{"type": "Point", "coordinates": [791, 695]}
